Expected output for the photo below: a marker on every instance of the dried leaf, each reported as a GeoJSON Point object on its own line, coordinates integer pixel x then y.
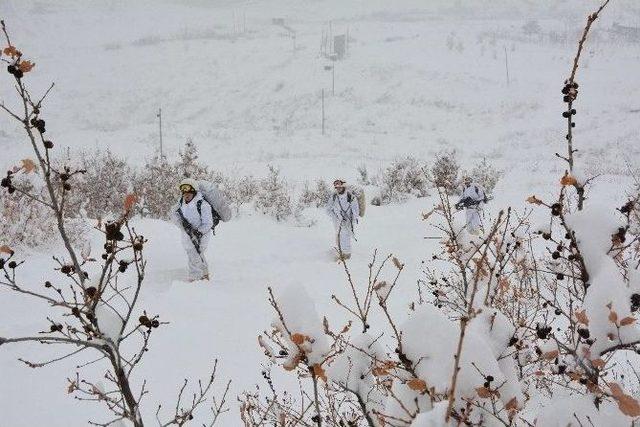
{"type": "Point", "coordinates": [28, 165]}
{"type": "Point", "coordinates": [319, 372]}
{"type": "Point", "coordinates": [594, 388]}
{"type": "Point", "coordinates": [6, 249]}
{"type": "Point", "coordinates": [616, 390]}
{"type": "Point", "coordinates": [581, 316]}
{"type": "Point", "coordinates": [72, 387]}
{"type": "Point", "coordinates": [568, 180]}
{"type": "Point", "coordinates": [297, 339]}
{"type": "Point", "coordinates": [486, 393]}
{"type": "Point", "coordinates": [26, 66]}
{"type": "Point", "coordinates": [417, 384]}
{"type": "Point", "coordinates": [397, 263]}
{"type": "Point", "coordinates": [575, 376]}
{"type": "Point", "coordinates": [550, 355]}
{"type": "Point", "coordinates": [627, 321]}
{"type": "Point", "coordinates": [613, 317]}
{"type": "Point", "coordinates": [12, 51]}
{"type": "Point", "coordinates": [379, 371]}
{"type": "Point", "coordinates": [129, 202]}
{"type": "Point", "coordinates": [512, 405]}
{"type": "Point", "coordinates": [346, 328]}
{"type": "Point", "coordinates": [598, 363]}
{"type": "Point", "coordinates": [534, 200]}
{"type": "Point", "coordinates": [629, 406]}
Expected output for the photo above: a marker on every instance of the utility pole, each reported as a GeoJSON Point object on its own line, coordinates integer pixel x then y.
{"type": "Point", "coordinates": [333, 79]}
{"type": "Point", "coordinates": [506, 64]}
{"type": "Point", "coordinates": [159, 115]}
{"type": "Point", "coordinates": [323, 111]}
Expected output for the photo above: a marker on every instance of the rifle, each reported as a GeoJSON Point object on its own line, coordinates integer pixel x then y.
{"type": "Point", "coordinates": [469, 202]}
{"type": "Point", "coordinates": [193, 234]}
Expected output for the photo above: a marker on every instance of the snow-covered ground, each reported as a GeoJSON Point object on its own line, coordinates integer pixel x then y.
{"type": "Point", "coordinates": [227, 77]}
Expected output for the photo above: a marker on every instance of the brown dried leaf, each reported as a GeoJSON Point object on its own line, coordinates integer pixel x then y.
{"type": "Point", "coordinates": [417, 384]}
{"type": "Point", "coordinates": [581, 316]}
{"type": "Point", "coordinates": [598, 363]}
{"type": "Point", "coordinates": [613, 317]}
{"type": "Point", "coordinates": [616, 390]}
{"type": "Point", "coordinates": [512, 405]}
{"type": "Point", "coordinates": [6, 249]}
{"type": "Point", "coordinates": [346, 328]}
{"type": "Point", "coordinates": [629, 406]}
{"type": "Point", "coordinates": [12, 51]}
{"type": "Point", "coordinates": [28, 165]}
{"type": "Point", "coordinates": [72, 387]}
{"type": "Point", "coordinates": [486, 393]}
{"type": "Point", "coordinates": [568, 180]}
{"type": "Point", "coordinates": [379, 371]}
{"type": "Point", "coordinates": [297, 339]}
{"type": "Point", "coordinates": [319, 372]}
{"type": "Point", "coordinates": [534, 200]}
{"type": "Point", "coordinates": [594, 388]}
{"type": "Point", "coordinates": [26, 66]}
{"type": "Point", "coordinates": [627, 321]}
{"type": "Point", "coordinates": [575, 376]}
{"type": "Point", "coordinates": [550, 355]}
{"type": "Point", "coordinates": [397, 263]}
{"type": "Point", "coordinates": [483, 392]}
{"type": "Point", "coordinates": [129, 202]}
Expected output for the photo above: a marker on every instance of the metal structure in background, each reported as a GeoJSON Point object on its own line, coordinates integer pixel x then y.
{"type": "Point", "coordinates": [159, 116]}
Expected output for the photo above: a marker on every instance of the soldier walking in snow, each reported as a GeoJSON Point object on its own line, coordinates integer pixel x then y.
{"type": "Point", "coordinates": [343, 208]}
{"type": "Point", "coordinates": [473, 196]}
{"type": "Point", "coordinates": [193, 215]}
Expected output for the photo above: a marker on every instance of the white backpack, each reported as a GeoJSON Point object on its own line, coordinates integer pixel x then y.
{"type": "Point", "coordinates": [220, 209]}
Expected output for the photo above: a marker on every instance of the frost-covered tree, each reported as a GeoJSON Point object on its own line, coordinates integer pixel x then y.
{"type": "Point", "coordinates": [402, 178]}
{"type": "Point", "coordinates": [274, 197]}
{"type": "Point", "coordinates": [485, 174]}
{"type": "Point", "coordinates": [445, 170]}
{"type": "Point", "coordinates": [156, 186]}
{"type": "Point", "coordinates": [188, 165]}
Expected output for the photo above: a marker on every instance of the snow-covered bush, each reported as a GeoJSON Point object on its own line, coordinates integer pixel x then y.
{"type": "Point", "coordinates": [274, 196]}
{"type": "Point", "coordinates": [316, 196]}
{"type": "Point", "coordinates": [445, 171]}
{"type": "Point", "coordinates": [25, 221]}
{"type": "Point", "coordinates": [363, 175]}
{"type": "Point", "coordinates": [240, 191]}
{"type": "Point", "coordinates": [188, 166]}
{"type": "Point", "coordinates": [402, 178]}
{"type": "Point", "coordinates": [156, 187]}
{"type": "Point", "coordinates": [485, 174]}
{"type": "Point", "coordinates": [99, 191]}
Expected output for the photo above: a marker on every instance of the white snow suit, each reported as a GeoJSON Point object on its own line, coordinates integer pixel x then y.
{"type": "Point", "coordinates": [345, 215]}
{"type": "Point", "coordinates": [202, 222]}
{"type": "Point", "coordinates": [476, 193]}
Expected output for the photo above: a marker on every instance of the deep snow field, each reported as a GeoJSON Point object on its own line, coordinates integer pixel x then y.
{"type": "Point", "coordinates": [227, 77]}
